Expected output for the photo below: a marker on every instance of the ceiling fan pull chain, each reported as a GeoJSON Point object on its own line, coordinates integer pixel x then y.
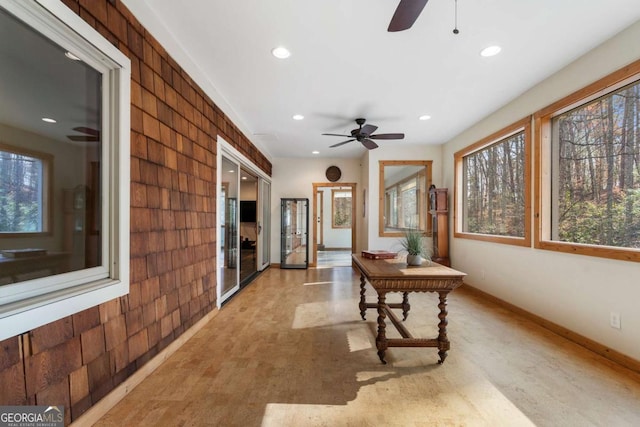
{"type": "Point", "coordinates": [455, 26]}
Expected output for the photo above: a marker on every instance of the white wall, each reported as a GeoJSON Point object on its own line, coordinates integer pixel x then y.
{"type": "Point", "coordinates": [574, 291]}
{"type": "Point", "coordinates": [295, 178]}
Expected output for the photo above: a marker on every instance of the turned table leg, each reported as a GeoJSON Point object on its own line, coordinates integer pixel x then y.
{"type": "Point", "coordinates": [443, 341]}
{"type": "Point", "coordinates": [381, 339]}
{"type": "Point", "coordinates": [363, 303]}
{"type": "Point", "coordinates": [405, 305]}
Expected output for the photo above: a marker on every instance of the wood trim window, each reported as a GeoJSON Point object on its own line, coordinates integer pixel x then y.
{"type": "Point", "coordinates": [492, 191]}
{"type": "Point", "coordinates": [341, 202]}
{"type": "Point", "coordinates": [587, 170]}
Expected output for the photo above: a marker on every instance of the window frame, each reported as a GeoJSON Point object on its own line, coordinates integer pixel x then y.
{"type": "Point", "coordinates": [47, 190]}
{"type": "Point", "coordinates": [523, 125]}
{"type": "Point", "coordinates": [543, 159]}
{"type": "Point", "coordinates": [333, 209]}
{"type": "Point", "coordinates": [33, 303]}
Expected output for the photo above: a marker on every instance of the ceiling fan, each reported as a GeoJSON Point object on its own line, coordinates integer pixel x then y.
{"type": "Point", "coordinates": [364, 135]}
{"type": "Point", "coordinates": [90, 135]}
{"type": "Point", "coordinates": [406, 14]}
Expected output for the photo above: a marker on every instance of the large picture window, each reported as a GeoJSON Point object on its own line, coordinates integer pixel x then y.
{"type": "Point", "coordinates": [64, 166]}
{"type": "Point", "coordinates": [589, 168]}
{"type": "Point", "coordinates": [493, 187]}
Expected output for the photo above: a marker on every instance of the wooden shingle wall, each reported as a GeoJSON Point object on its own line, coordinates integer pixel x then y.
{"type": "Point", "coordinates": [77, 360]}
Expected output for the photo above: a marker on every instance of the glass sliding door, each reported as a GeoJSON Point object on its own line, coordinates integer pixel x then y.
{"type": "Point", "coordinates": [229, 220]}
{"type": "Point", "coordinates": [264, 225]}
{"type": "Point", "coordinates": [243, 221]}
{"type": "Point", "coordinates": [248, 226]}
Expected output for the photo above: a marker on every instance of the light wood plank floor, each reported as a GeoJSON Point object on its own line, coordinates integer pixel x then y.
{"type": "Point", "coordinates": [333, 259]}
{"type": "Point", "coordinates": [291, 350]}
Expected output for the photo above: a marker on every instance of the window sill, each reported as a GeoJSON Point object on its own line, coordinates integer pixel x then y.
{"type": "Point", "coordinates": [610, 252]}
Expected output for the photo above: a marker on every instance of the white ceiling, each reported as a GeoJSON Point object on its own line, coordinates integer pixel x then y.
{"type": "Point", "coordinates": [344, 64]}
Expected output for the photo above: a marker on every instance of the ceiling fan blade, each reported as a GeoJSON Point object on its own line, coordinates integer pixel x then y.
{"type": "Point", "coordinates": [369, 144]}
{"type": "Point", "coordinates": [83, 138]}
{"type": "Point", "coordinates": [406, 14]}
{"type": "Point", "coordinates": [88, 131]}
{"type": "Point", "coordinates": [387, 136]}
{"type": "Point", "coordinates": [336, 134]}
{"type": "Point", "coordinates": [341, 143]}
{"type": "Point", "coordinates": [368, 129]}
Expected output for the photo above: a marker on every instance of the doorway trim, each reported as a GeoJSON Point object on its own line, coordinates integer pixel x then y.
{"type": "Point", "coordinates": [316, 185]}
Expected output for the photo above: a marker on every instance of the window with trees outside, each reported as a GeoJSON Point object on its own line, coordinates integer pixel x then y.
{"type": "Point", "coordinates": [24, 191]}
{"type": "Point", "coordinates": [64, 166]}
{"type": "Point", "coordinates": [589, 170]}
{"type": "Point", "coordinates": [493, 187]}
{"type": "Point", "coordinates": [341, 208]}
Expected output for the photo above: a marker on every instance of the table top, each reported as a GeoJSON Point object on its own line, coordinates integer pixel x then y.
{"type": "Point", "coordinates": [394, 274]}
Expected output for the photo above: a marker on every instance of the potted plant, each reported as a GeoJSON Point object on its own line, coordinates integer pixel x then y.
{"type": "Point", "coordinates": [413, 244]}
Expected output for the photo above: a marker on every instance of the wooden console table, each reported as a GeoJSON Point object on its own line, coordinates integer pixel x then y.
{"type": "Point", "coordinates": [393, 275]}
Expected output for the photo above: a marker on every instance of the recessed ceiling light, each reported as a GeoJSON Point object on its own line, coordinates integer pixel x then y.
{"type": "Point", "coordinates": [244, 177]}
{"type": "Point", "coordinates": [490, 51]}
{"type": "Point", "coordinates": [71, 56]}
{"type": "Point", "coordinates": [280, 52]}
{"type": "Point", "coordinates": [48, 120]}
{"type": "Point", "coordinates": [425, 117]}
{"type": "Point", "coordinates": [231, 171]}
{"type": "Point", "coordinates": [298, 117]}
{"type": "Point", "coordinates": [315, 152]}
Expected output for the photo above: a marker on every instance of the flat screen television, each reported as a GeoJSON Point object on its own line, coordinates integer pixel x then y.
{"type": "Point", "coordinates": [247, 211]}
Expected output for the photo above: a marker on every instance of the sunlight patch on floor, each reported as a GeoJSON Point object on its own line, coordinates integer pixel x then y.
{"type": "Point", "coordinates": [317, 283]}
{"type": "Point", "coordinates": [323, 313]}
{"type": "Point", "coordinates": [359, 339]}
{"type": "Point", "coordinates": [458, 407]}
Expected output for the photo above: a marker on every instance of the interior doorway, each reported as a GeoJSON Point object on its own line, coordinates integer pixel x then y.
{"type": "Point", "coordinates": [334, 224]}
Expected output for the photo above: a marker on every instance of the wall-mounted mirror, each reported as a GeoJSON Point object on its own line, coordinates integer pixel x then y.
{"type": "Point", "coordinates": [404, 196]}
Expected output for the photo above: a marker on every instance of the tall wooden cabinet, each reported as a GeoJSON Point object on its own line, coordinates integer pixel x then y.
{"type": "Point", "coordinates": [439, 210]}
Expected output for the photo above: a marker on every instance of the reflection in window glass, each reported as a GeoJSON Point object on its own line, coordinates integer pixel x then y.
{"type": "Point", "coordinates": [409, 203]}
{"type": "Point", "coordinates": [21, 192]}
{"type": "Point", "coordinates": [405, 198]}
{"type": "Point", "coordinates": [51, 190]}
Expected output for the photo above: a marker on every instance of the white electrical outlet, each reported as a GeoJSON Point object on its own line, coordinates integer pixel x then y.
{"type": "Point", "coordinates": [614, 320]}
